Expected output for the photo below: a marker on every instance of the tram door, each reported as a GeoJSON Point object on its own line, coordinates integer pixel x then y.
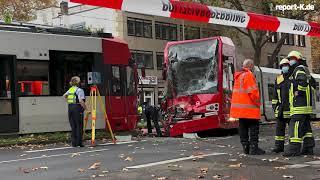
{"type": "Point", "coordinates": [8, 99]}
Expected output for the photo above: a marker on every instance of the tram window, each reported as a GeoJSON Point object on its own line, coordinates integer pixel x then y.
{"type": "Point", "coordinates": [116, 83]}
{"type": "Point", "coordinates": [64, 65]}
{"type": "Point", "coordinates": [130, 82]}
{"type": "Point", "coordinates": [270, 91]}
{"type": "Point", "coordinates": [32, 78]}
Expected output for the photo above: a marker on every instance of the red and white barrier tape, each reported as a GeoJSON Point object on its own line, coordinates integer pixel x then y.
{"type": "Point", "coordinates": [209, 14]}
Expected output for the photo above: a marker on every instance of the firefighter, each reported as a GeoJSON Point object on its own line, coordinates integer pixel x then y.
{"type": "Point", "coordinates": [245, 106]}
{"type": "Point", "coordinates": [300, 97]}
{"type": "Point", "coordinates": [280, 104]}
{"type": "Point", "coordinates": [76, 106]}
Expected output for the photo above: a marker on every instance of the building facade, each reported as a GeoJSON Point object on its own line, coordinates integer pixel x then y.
{"type": "Point", "coordinates": [148, 35]}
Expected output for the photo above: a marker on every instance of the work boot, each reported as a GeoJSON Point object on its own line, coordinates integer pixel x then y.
{"type": "Point", "coordinates": [294, 150]}
{"type": "Point", "coordinates": [246, 148]}
{"type": "Point", "coordinates": [307, 151]}
{"type": "Point", "coordinates": [255, 150]}
{"type": "Point", "coordinates": [279, 147]}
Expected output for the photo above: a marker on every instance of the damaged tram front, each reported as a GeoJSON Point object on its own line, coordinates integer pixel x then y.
{"type": "Point", "coordinates": [199, 74]}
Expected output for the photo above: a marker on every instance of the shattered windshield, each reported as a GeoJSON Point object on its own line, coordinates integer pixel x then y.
{"type": "Point", "coordinates": [193, 67]}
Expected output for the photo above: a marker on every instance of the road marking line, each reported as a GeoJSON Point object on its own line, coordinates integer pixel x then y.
{"type": "Point", "coordinates": [172, 161]}
{"type": "Point", "coordinates": [54, 149]}
{"type": "Point", "coordinates": [313, 162]}
{"type": "Point", "coordinates": [55, 155]}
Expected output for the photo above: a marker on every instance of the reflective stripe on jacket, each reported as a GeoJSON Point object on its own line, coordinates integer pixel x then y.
{"type": "Point", "coordinates": [280, 100]}
{"type": "Point", "coordinates": [245, 101]}
{"type": "Point", "coordinates": [302, 91]}
{"type": "Point", "coordinates": [72, 96]}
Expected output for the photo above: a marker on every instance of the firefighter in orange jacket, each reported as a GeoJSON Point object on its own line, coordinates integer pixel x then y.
{"type": "Point", "coordinates": [245, 106]}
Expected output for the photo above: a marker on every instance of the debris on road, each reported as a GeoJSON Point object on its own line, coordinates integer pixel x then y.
{"type": "Point", "coordinates": [125, 169]}
{"type": "Point", "coordinates": [162, 178]}
{"type": "Point", "coordinates": [81, 170]}
{"type": "Point", "coordinates": [95, 166]}
{"type": "Point", "coordinates": [288, 176]}
{"type": "Point", "coordinates": [236, 165]}
{"type": "Point", "coordinates": [75, 154]}
{"type": "Point", "coordinates": [129, 159]}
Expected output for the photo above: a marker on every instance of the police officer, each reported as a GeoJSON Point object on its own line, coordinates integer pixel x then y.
{"type": "Point", "coordinates": [280, 104]}
{"type": "Point", "coordinates": [152, 113]}
{"type": "Point", "coordinates": [300, 97]}
{"type": "Point", "coordinates": [76, 106]}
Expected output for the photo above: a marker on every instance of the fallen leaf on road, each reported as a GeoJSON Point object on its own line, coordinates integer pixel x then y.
{"type": "Point", "coordinates": [201, 176]}
{"type": "Point", "coordinates": [162, 178]}
{"type": "Point", "coordinates": [81, 170]}
{"type": "Point", "coordinates": [282, 167]}
{"type": "Point", "coordinates": [232, 160]}
{"type": "Point", "coordinates": [44, 168]}
{"type": "Point", "coordinates": [271, 160]}
{"type": "Point", "coordinates": [287, 176]}
{"type": "Point", "coordinates": [75, 154]}
{"type": "Point", "coordinates": [235, 165]}
{"type": "Point", "coordinates": [204, 170]}
{"type": "Point", "coordinates": [217, 176]}
{"type": "Point", "coordinates": [129, 159]}
{"type": "Point", "coordinates": [221, 146]}
{"type": "Point", "coordinates": [124, 169]}
{"type": "Point", "coordinates": [95, 166]}
{"type": "Point", "coordinates": [93, 176]}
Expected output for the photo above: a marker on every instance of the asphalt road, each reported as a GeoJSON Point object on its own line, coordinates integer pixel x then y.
{"type": "Point", "coordinates": [157, 158]}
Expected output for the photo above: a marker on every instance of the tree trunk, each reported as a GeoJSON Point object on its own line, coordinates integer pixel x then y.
{"type": "Point", "coordinates": [277, 49]}
{"type": "Point", "coordinates": [257, 56]}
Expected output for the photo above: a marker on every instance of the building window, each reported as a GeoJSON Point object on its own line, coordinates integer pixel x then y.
{"type": "Point", "coordinates": [274, 37]}
{"type": "Point", "coordinates": [166, 31]}
{"type": "Point", "coordinates": [160, 60]}
{"type": "Point", "coordinates": [271, 91]}
{"type": "Point", "coordinates": [209, 33]}
{"type": "Point", "coordinates": [33, 78]}
{"type": "Point", "coordinates": [139, 27]}
{"type": "Point", "coordinates": [286, 40]}
{"type": "Point", "coordinates": [291, 39]}
{"type": "Point", "coordinates": [189, 32]}
{"type": "Point", "coordinates": [160, 96]}
{"type": "Point", "coordinates": [301, 41]}
{"type": "Point", "coordinates": [149, 97]}
{"type": "Point", "coordinates": [143, 58]}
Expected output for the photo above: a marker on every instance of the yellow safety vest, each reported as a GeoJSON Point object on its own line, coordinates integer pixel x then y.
{"type": "Point", "coordinates": [72, 96]}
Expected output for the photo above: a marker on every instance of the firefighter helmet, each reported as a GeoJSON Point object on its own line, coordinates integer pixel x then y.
{"type": "Point", "coordinates": [295, 54]}
{"type": "Point", "coordinates": [284, 61]}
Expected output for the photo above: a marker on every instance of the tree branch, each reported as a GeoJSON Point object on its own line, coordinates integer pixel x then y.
{"type": "Point", "coordinates": [269, 38]}
{"type": "Point", "coordinates": [243, 32]}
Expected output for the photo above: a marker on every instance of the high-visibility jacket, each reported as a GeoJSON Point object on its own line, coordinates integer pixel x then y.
{"type": "Point", "coordinates": [302, 90]}
{"type": "Point", "coordinates": [140, 110]}
{"type": "Point", "coordinates": [280, 100]}
{"type": "Point", "coordinates": [72, 95]}
{"type": "Point", "coordinates": [245, 101]}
